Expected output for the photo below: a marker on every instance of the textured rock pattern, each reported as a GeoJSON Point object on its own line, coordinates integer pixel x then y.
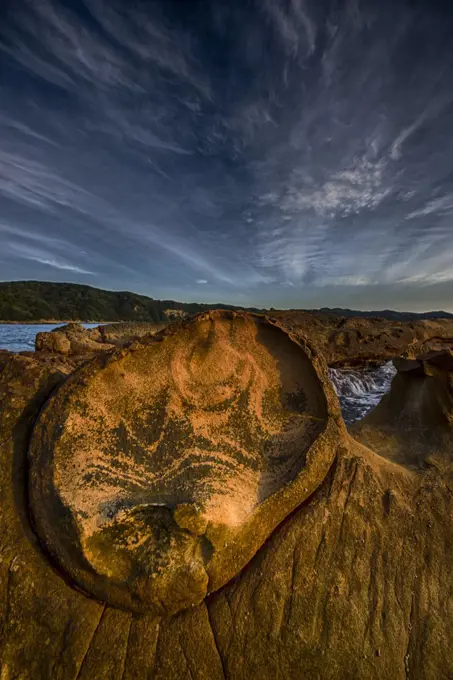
{"type": "Point", "coordinates": [354, 583]}
{"type": "Point", "coordinates": [75, 341]}
{"type": "Point", "coordinates": [413, 424]}
{"type": "Point", "coordinates": [158, 473]}
{"type": "Point", "coordinates": [354, 341]}
{"type": "Point", "coordinates": [341, 341]}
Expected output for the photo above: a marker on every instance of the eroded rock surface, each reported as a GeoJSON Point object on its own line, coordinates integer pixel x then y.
{"type": "Point", "coordinates": [156, 473]}
{"type": "Point", "coordinates": [77, 342]}
{"type": "Point", "coordinates": [413, 424]}
{"type": "Point", "coordinates": [357, 341]}
{"type": "Point", "coordinates": [341, 341]}
{"type": "Point", "coordinates": [355, 582]}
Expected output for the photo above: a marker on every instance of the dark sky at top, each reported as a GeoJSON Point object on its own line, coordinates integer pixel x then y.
{"type": "Point", "coordinates": [267, 152]}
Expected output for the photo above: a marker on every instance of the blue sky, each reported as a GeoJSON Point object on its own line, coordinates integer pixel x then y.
{"type": "Point", "coordinates": [286, 153]}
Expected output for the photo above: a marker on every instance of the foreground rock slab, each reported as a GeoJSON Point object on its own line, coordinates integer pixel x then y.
{"type": "Point", "coordinates": [158, 472]}
{"type": "Point", "coordinates": [355, 582]}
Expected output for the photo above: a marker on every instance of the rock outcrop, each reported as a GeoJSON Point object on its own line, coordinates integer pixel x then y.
{"type": "Point", "coordinates": [77, 342]}
{"type": "Point", "coordinates": [71, 340]}
{"type": "Point", "coordinates": [123, 334]}
{"type": "Point", "coordinates": [341, 341]}
{"type": "Point", "coordinates": [158, 472]}
{"type": "Point", "coordinates": [344, 570]}
{"type": "Point", "coordinates": [357, 341]}
{"type": "Point", "coordinates": [413, 424]}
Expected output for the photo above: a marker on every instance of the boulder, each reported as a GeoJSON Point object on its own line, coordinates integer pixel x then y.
{"type": "Point", "coordinates": [53, 341]}
{"type": "Point", "coordinates": [77, 342]}
{"type": "Point", "coordinates": [71, 340]}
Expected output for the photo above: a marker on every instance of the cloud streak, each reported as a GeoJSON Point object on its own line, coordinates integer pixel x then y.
{"type": "Point", "coordinates": [280, 151]}
{"type": "Point", "coordinates": [45, 258]}
{"type": "Point", "coordinates": [61, 265]}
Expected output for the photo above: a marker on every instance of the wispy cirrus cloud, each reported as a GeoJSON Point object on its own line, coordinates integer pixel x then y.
{"type": "Point", "coordinates": [349, 191]}
{"type": "Point", "coordinates": [442, 205]}
{"type": "Point", "coordinates": [34, 185]}
{"type": "Point", "coordinates": [29, 181]}
{"type": "Point", "coordinates": [70, 53]}
{"type": "Point", "coordinates": [46, 258]}
{"type": "Point", "coordinates": [293, 26]}
{"type": "Point", "coordinates": [255, 146]}
{"type": "Point", "coordinates": [61, 265]}
{"type": "Point", "coordinates": [396, 150]}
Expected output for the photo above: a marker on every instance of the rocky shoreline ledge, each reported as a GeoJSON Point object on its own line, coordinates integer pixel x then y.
{"type": "Point", "coordinates": [185, 501]}
{"type": "Point", "coordinates": [342, 341]}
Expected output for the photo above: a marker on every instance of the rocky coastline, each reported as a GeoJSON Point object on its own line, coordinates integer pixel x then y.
{"type": "Point", "coordinates": [185, 501]}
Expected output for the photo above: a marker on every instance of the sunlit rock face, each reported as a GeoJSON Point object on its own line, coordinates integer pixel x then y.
{"type": "Point", "coordinates": [157, 472]}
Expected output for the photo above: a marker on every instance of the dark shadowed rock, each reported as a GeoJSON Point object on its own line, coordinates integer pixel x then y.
{"type": "Point", "coordinates": [442, 360]}
{"type": "Point", "coordinates": [404, 365]}
{"type": "Point", "coordinates": [413, 422]}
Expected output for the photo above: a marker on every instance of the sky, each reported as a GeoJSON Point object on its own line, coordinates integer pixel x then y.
{"type": "Point", "coordinates": [285, 153]}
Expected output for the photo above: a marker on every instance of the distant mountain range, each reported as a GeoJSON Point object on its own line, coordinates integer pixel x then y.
{"type": "Point", "coordinates": [32, 301]}
{"type": "Point", "coordinates": [389, 314]}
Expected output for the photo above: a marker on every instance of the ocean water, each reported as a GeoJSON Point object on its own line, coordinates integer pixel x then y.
{"type": "Point", "coordinates": [359, 390]}
{"type": "Point", "coordinates": [21, 337]}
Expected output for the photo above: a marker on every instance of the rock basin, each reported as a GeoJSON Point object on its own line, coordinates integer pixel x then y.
{"type": "Point", "coordinates": [157, 471]}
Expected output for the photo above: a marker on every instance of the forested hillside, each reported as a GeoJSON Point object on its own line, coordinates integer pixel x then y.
{"type": "Point", "coordinates": [38, 300]}
{"type": "Point", "coordinates": [44, 301]}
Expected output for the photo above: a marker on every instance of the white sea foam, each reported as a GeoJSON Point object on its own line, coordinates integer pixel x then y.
{"type": "Point", "coordinates": [360, 390]}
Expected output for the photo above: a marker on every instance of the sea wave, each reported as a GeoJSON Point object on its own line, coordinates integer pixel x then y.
{"type": "Point", "coordinates": [360, 390]}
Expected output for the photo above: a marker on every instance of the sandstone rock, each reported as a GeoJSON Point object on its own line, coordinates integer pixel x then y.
{"type": "Point", "coordinates": [342, 342]}
{"type": "Point", "coordinates": [357, 341]}
{"type": "Point", "coordinates": [157, 474]}
{"type": "Point", "coordinates": [54, 341]}
{"type": "Point", "coordinates": [414, 421]}
{"type": "Point", "coordinates": [71, 340]}
{"type": "Point", "coordinates": [356, 582]}
{"type": "Point", "coordinates": [121, 334]}
{"type": "Point", "coordinates": [45, 626]}
{"type": "Point", "coordinates": [75, 341]}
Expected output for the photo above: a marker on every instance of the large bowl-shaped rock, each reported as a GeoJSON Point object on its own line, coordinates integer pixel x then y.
{"type": "Point", "coordinates": [157, 472]}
